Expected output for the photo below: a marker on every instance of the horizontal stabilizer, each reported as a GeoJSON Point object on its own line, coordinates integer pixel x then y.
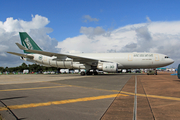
{"type": "Point", "coordinates": [21, 47]}
{"type": "Point", "coordinates": [21, 55]}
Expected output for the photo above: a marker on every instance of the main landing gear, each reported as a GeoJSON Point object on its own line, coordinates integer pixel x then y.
{"type": "Point", "coordinates": [83, 73]}
{"type": "Point", "coordinates": [90, 72]}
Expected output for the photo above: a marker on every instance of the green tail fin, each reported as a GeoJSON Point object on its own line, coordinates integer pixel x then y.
{"type": "Point", "coordinates": [28, 42]}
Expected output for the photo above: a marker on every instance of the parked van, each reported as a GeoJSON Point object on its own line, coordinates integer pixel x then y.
{"type": "Point", "coordinates": [152, 72]}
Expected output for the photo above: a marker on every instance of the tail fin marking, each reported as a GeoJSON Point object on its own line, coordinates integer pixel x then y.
{"type": "Point", "coordinates": [28, 42]}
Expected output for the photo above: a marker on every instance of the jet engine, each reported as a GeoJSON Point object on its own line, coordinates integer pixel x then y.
{"type": "Point", "coordinates": [108, 67]}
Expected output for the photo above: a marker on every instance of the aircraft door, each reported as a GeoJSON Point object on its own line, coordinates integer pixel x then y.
{"type": "Point", "coordinates": [130, 57]}
{"type": "Point", "coordinates": [156, 57]}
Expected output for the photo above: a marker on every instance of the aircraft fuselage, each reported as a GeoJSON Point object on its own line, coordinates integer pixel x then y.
{"type": "Point", "coordinates": [123, 60]}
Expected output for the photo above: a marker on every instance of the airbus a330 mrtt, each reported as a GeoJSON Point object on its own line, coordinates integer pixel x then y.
{"type": "Point", "coordinates": [89, 62]}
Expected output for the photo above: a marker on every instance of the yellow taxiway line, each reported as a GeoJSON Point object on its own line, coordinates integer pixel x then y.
{"type": "Point", "coordinates": [127, 93]}
{"type": "Point", "coordinates": [121, 93]}
{"type": "Point", "coordinates": [30, 88]}
{"type": "Point", "coordinates": [152, 96]}
{"type": "Point", "coordinates": [31, 105]}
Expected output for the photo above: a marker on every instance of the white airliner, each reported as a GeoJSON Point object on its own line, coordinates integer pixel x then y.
{"type": "Point", "coordinates": [89, 62]}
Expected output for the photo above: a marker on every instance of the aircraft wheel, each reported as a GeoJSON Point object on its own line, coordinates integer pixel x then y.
{"type": "Point", "coordinates": [83, 73]}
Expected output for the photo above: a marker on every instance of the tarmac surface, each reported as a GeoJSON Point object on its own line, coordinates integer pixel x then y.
{"type": "Point", "coordinates": [71, 96]}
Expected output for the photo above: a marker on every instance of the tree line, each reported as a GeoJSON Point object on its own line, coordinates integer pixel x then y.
{"type": "Point", "coordinates": [30, 67]}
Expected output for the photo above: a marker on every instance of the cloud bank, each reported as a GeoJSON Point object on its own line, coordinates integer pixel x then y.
{"type": "Point", "coordinates": [9, 35]}
{"type": "Point", "coordinates": [158, 37]}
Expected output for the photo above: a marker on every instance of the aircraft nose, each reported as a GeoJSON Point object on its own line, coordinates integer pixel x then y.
{"type": "Point", "coordinates": [171, 61]}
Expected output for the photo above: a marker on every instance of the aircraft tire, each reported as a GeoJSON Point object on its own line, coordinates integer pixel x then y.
{"type": "Point", "coordinates": [82, 73]}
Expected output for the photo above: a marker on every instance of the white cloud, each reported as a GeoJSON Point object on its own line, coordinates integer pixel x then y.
{"type": "Point", "coordinates": [3, 48]}
{"type": "Point", "coordinates": [88, 18]}
{"type": "Point", "coordinates": [148, 19]}
{"type": "Point", "coordinates": [159, 37]}
{"type": "Point", "coordinates": [3, 55]}
{"type": "Point", "coordinates": [9, 35]}
{"type": "Point", "coordinates": [91, 32]}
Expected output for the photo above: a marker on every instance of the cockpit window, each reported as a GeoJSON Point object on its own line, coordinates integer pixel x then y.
{"type": "Point", "coordinates": [166, 57]}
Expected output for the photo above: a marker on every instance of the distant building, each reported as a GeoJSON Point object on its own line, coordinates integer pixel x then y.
{"type": "Point", "coordinates": [25, 71]}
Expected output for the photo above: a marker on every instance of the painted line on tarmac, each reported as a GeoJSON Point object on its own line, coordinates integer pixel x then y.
{"type": "Point", "coordinates": [30, 88]}
{"type": "Point", "coordinates": [62, 85]}
{"type": "Point", "coordinates": [86, 87]}
{"type": "Point", "coordinates": [124, 92]}
{"type": "Point", "coordinates": [135, 101]}
{"type": "Point", "coordinates": [152, 96]}
{"type": "Point", "coordinates": [31, 105]}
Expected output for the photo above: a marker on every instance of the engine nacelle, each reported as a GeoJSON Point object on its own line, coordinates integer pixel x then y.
{"type": "Point", "coordinates": [64, 64]}
{"type": "Point", "coordinates": [108, 67]}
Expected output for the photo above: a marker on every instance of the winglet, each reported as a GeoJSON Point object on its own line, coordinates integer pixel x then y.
{"type": "Point", "coordinates": [21, 47]}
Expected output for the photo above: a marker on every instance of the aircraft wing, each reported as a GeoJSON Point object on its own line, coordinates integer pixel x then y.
{"type": "Point", "coordinates": [21, 55]}
{"type": "Point", "coordinates": [60, 55]}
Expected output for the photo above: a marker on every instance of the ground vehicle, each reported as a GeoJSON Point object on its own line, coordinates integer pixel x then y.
{"type": "Point", "coordinates": [152, 72]}
{"type": "Point", "coordinates": [138, 71]}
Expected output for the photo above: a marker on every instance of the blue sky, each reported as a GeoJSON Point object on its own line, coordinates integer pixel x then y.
{"type": "Point", "coordinates": [66, 16]}
{"type": "Point", "coordinates": [76, 26]}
